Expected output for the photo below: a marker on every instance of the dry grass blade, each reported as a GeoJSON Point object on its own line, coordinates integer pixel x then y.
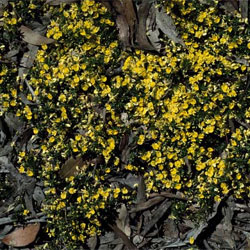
{"type": "Point", "coordinates": [22, 237]}
{"type": "Point", "coordinates": [33, 37]}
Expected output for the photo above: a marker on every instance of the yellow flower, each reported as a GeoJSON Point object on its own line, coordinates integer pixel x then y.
{"type": "Point", "coordinates": [191, 240]}
{"type": "Point", "coordinates": [62, 98]}
{"type": "Point", "coordinates": [248, 45]}
{"type": "Point", "coordinates": [156, 145]}
{"type": "Point", "coordinates": [57, 35]}
{"type": "Point", "coordinates": [76, 67]}
{"type": "Point", "coordinates": [116, 192]}
{"type": "Point", "coordinates": [35, 131]}
{"type": "Point", "coordinates": [22, 154]}
{"type": "Point", "coordinates": [72, 190]}
{"type": "Point", "coordinates": [78, 137]}
{"type": "Point", "coordinates": [51, 139]}
{"type": "Point", "coordinates": [124, 190]}
{"type": "Point", "coordinates": [63, 195]}
{"type": "Point", "coordinates": [217, 20]}
{"type": "Point", "coordinates": [141, 139]}
{"type": "Point", "coordinates": [225, 88]}
{"type": "Point", "coordinates": [83, 225]}
{"type": "Point", "coordinates": [25, 212]}
{"type": "Point", "coordinates": [111, 143]}
{"type": "Point", "coordinates": [13, 21]}
{"type": "Point", "coordinates": [238, 176]}
{"type": "Point", "coordinates": [29, 172]}
{"type": "Point", "coordinates": [168, 70]}
{"type": "Point", "coordinates": [50, 97]}
{"type": "Point", "coordinates": [210, 172]}
{"type": "Point", "coordinates": [129, 167]}
{"type": "Point", "coordinates": [21, 169]}
{"type": "Point", "coordinates": [44, 46]}
{"type": "Point", "coordinates": [217, 198]}
{"type": "Point", "coordinates": [32, 6]}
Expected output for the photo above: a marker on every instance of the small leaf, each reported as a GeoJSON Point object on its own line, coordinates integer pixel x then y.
{"type": "Point", "coordinates": [23, 236]}
{"type": "Point", "coordinates": [33, 37]}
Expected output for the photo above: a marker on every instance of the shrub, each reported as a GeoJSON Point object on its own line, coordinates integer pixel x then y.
{"type": "Point", "coordinates": [184, 114]}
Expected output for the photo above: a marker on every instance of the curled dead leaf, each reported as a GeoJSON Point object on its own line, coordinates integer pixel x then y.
{"type": "Point", "coordinates": [33, 37]}
{"type": "Point", "coordinates": [23, 236]}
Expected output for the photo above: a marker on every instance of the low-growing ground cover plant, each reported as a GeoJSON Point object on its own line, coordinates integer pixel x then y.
{"type": "Point", "coordinates": [178, 119]}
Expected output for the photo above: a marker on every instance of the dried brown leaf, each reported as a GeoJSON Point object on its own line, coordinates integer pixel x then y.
{"type": "Point", "coordinates": [141, 192]}
{"type": "Point", "coordinates": [130, 16]}
{"type": "Point", "coordinates": [122, 221]}
{"type": "Point", "coordinates": [244, 8]}
{"type": "Point", "coordinates": [33, 37]}
{"type": "Point", "coordinates": [141, 37]}
{"type": "Point", "coordinates": [161, 210]}
{"type": "Point", "coordinates": [106, 3]}
{"type": "Point", "coordinates": [123, 28]}
{"type": "Point", "coordinates": [92, 242]}
{"type": "Point", "coordinates": [27, 61]}
{"type": "Point", "coordinates": [58, 2]}
{"type": "Point", "coordinates": [166, 24]}
{"type": "Point", "coordinates": [22, 237]}
{"type": "Point", "coordinates": [147, 204]}
{"type": "Point", "coordinates": [71, 167]}
{"type": "Point", "coordinates": [167, 194]}
{"type": "Point", "coordinates": [170, 229]}
{"type": "Point", "coordinates": [74, 165]}
{"type": "Point", "coordinates": [123, 236]}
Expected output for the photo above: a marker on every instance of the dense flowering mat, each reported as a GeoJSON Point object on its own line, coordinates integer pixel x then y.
{"type": "Point", "coordinates": [110, 125]}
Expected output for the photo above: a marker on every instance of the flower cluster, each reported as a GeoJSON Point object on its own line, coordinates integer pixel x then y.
{"type": "Point", "coordinates": [181, 115]}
